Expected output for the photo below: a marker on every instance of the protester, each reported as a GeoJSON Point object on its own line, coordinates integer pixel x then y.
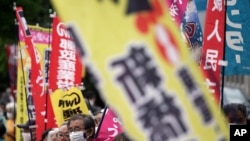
{"type": "Point", "coordinates": [10, 122]}
{"type": "Point", "coordinates": [63, 134]}
{"type": "Point", "coordinates": [28, 130]}
{"type": "Point", "coordinates": [97, 113]}
{"type": "Point", "coordinates": [52, 136]}
{"type": "Point", "coordinates": [81, 127]}
{"type": "Point", "coordinates": [122, 137]}
{"type": "Point", "coordinates": [235, 113]}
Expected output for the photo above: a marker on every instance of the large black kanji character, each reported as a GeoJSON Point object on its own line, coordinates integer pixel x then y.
{"type": "Point", "coordinates": [138, 6]}
{"type": "Point", "coordinates": [152, 114]}
{"type": "Point", "coordinates": [163, 132]}
{"type": "Point", "coordinates": [142, 61]}
{"type": "Point", "coordinates": [123, 79]}
{"type": "Point", "coordinates": [149, 114]}
{"type": "Point", "coordinates": [171, 109]}
{"type": "Point", "coordinates": [187, 80]}
{"type": "Point", "coordinates": [201, 104]}
{"type": "Point", "coordinates": [138, 72]}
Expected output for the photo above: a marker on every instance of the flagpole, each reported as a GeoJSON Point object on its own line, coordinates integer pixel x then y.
{"type": "Point", "coordinates": [23, 77]}
{"type": "Point", "coordinates": [47, 71]}
{"type": "Point", "coordinates": [15, 69]}
{"type": "Point", "coordinates": [223, 67]}
{"type": "Point", "coordinates": [100, 124]}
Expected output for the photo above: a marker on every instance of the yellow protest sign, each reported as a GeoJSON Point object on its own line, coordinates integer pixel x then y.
{"type": "Point", "coordinates": [67, 103]}
{"type": "Point", "coordinates": [144, 69]}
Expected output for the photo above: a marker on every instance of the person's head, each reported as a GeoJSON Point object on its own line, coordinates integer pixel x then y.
{"type": "Point", "coordinates": [122, 137]}
{"type": "Point", "coordinates": [235, 113]}
{"type": "Point", "coordinates": [52, 136]}
{"type": "Point", "coordinates": [81, 127]}
{"type": "Point", "coordinates": [45, 134]}
{"type": "Point", "coordinates": [90, 96]}
{"type": "Point", "coordinates": [10, 110]}
{"type": "Point", "coordinates": [98, 116]}
{"type": "Point", "coordinates": [63, 134]}
{"type": "Point", "coordinates": [28, 130]}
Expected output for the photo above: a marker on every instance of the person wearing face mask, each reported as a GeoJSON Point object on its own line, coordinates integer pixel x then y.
{"type": "Point", "coordinates": [28, 130]}
{"type": "Point", "coordinates": [81, 127]}
{"type": "Point", "coordinates": [10, 122]}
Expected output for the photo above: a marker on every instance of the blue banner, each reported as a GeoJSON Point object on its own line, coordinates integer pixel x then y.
{"type": "Point", "coordinates": [237, 44]}
{"type": "Point", "coordinates": [192, 27]}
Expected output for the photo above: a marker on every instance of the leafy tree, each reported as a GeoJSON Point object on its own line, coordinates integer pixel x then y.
{"type": "Point", "coordinates": [35, 12]}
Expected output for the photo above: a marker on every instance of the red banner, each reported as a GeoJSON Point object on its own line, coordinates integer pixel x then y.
{"type": "Point", "coordinates": [36, 78]}
{"type": "Point", "coordinates": [213, 49]}
{"type": "Point", "coordinates": [11, 51]}
{"type": "Point", "coordinates": [66, 70]}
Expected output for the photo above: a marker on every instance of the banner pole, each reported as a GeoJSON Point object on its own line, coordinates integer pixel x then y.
{"type": "Point", "coordinates": [100, 124]}
{"type": "Point", "coordinates": [223, 67]}
{"type": "Point", "coordinates": [47, 71]}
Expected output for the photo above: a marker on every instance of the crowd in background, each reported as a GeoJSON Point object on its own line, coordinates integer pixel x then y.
{"type": "Point", "coordinates": [81, 127]}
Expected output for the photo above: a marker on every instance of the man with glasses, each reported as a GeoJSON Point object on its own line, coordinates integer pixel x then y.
{"type": "Point", "coordinates": [81, 127]}
{"type": "Point", "coordinates": [63, 134]}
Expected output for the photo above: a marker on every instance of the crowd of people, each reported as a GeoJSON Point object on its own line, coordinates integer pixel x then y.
{"type": "Point", "coordinates": [81, 127]}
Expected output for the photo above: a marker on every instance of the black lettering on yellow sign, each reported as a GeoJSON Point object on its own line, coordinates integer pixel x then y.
{"type": "Point", "coordinates": [67, 100]}
{"type": "Point", "coordinates": [67, 113]}
{"type": "Point", "coordinates": [70, 105]}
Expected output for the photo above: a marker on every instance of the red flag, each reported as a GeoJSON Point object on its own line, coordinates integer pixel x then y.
{"type": "Point", "coordinates": [37, 82]}
{"type": "Point", "coordinates": [65, 62]}
{"type": "Point", "coordinates": [12, 66]}
{"type": "Point", "coordinates": [213, 49]}
{"type": "Point", "coordinates": [110, 127]}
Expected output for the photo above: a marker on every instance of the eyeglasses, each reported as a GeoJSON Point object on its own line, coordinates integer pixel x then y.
{"type": "Point", "coordinates": [61, 135]}
{"type": "Point", "coordinates": [75, 129]}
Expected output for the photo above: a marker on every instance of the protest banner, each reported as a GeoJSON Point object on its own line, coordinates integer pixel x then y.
{"type": "Point", "coordinates": [66, 103]}
{"type": "Point", "coordinates": [36, 42]}
{"type": "Point", "coordinates": [237, 43]}
{"type": "Point", "coordinates": [213, 49]}
{"type": "Point", "coordinates": [144, 69]}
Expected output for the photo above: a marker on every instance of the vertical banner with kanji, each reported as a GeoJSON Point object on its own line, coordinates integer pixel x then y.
{"type": "Point", "coordinates": [237, 50]}
{"type": "Point", "coordinates": [36, 104]}
{"type": "Point", "coordinates": [67, 103]}
{"type": "Point", "coordinates": [213, 49]}
{"type": "Point", "coordinates": [144, 70]}
{"type": "Point", "coordinates": [23, 70]}
{"type": "Point", "coordinates": [65, 71]}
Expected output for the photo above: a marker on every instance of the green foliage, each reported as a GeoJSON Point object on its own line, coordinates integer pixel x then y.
{"type": "Point", "coordinates": [35, 12]}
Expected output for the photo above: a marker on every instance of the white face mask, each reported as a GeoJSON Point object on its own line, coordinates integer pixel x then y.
{"type": "Point", "coordinates": [10, 116]}
{"type": "Point", "coordinates": [77, 136]}
{"type": "Point", "coordinates": [26, 136]}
